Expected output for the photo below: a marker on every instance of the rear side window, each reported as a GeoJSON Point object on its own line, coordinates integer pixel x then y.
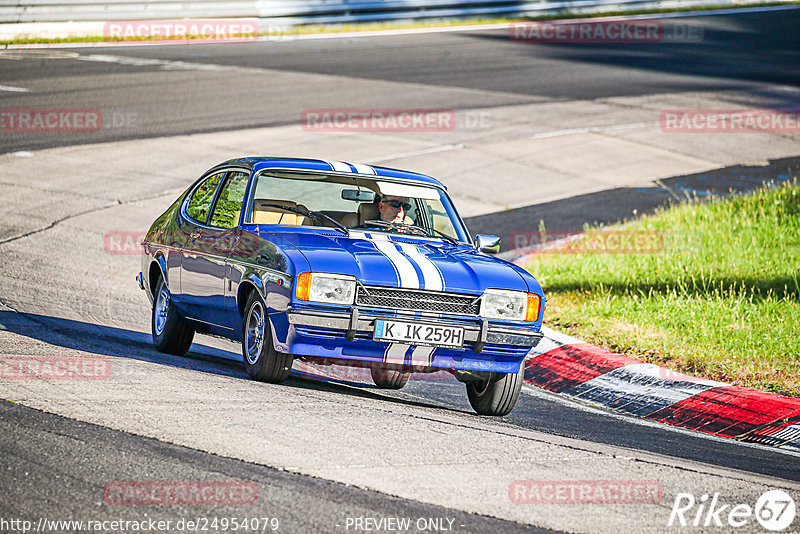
{"type": "Point", "coordinates": [203, 196]}
{"type": "Point", "coordinates": [229, 203]}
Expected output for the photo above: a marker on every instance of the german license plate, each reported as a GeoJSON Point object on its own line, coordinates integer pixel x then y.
{"type": "Point", "coordinates": [419, 334]}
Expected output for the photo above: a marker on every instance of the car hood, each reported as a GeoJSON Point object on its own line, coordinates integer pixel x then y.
{"type": "Point", "coordinates": [402, 261]}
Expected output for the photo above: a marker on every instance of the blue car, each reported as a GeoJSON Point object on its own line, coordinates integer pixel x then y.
{"type": "Point", "coordinates": [333, 262]}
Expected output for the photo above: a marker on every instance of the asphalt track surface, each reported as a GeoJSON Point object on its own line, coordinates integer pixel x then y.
{"type": "Point", "coordinates": [45, 478]}
{"type": "Point", "coordinates": [262, 84]}
{"type": "Point", "coordinates": [53, 465]}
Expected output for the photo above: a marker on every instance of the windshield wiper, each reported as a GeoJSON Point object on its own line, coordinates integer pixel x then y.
{"type": "Point", "coordinates": [446, 237]}
{"type": "Point", "coordinates": [317, 216]}
{"type": "Point", "coordinates": [428, 232]}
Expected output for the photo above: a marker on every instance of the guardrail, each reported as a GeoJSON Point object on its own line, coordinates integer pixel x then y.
{"type": "Point", "coordinates": [291, 12]}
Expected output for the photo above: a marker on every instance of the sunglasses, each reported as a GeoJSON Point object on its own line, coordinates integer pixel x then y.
{"type": "Point", "coordinates": [398, 204]}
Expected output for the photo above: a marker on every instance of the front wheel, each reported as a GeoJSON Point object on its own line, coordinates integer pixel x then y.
{"type": "Point", "coordinates": [498, 394]}
{"type": "Point", "coordinates": [388, 377]}
{"type": "Point", "coordinates": [262, 361]}
{"type": "Point", "coordinates": [171, 335]}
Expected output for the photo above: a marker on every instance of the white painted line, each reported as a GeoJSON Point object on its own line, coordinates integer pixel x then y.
{"type": "Point", "coordinates": [560, 338]}
{"type": "Point", "coordinates": [593, 129]}
{"type": "Point", "coordinates": [13, 89]}
{"type": "Point", "coordinates": [545, 345]}
{"type": "Point", "coordinates": [541, 135]}
{"type": "Point", "coordinates": [421, 152]}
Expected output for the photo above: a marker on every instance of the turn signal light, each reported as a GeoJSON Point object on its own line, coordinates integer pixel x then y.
{"type": "Point", "coordinates": [303, 286]}
{"type": "Point", "coordinates": [532, 310]}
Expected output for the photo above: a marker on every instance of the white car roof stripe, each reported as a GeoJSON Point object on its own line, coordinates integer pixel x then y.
{"type": "Point", "coordinates": [363, 169]}
{"type": "Point", "coordinates": [339, 166]}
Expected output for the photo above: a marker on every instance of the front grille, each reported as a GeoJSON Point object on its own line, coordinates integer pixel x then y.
{"type": "Point", "coordinates": [409, 299]}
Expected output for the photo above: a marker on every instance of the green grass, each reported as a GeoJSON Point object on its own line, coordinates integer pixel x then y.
{"type": "Point", "coordinates": [304, 29]}
{"type": "Point", "coordinates": [718, 300]}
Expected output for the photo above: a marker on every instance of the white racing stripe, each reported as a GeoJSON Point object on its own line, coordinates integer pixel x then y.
{"type": "Point", "coordinates": [406, 271]}
{"type": "Point", "coordinates": [422, 355]}
{"type": "Point", "coordinates": [339, 166]}
{"type": "Point", "coordinates": [363, 169]}
{"type": "Point", "coordinates": [396, 353]}
{"type": "Point", "coordinates": [431, 277]}
{"type": "Point", "coordinates": [368, 237]}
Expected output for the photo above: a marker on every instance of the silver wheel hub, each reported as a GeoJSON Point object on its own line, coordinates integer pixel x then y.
{"type": "Point", "coordinates": [161, 311]}
{"type": "Point", "coordinates": [254, 333]}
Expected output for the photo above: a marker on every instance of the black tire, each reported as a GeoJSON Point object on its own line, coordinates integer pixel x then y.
{"type": "Point", "coordinates": [388, 377]}
{"type": "Point", "coordinates": [497, 395]}
{"type": "Point", "coordinates": [262, 361]}
{"type": "Point", "coordinates": [171, 335]}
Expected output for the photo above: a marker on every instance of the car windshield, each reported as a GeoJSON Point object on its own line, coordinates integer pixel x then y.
{"type": "Point", "coordinates": [357, 203]}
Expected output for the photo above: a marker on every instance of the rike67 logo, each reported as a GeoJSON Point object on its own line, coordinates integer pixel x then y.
{"type": "Point", "coordinates": [774, 511]}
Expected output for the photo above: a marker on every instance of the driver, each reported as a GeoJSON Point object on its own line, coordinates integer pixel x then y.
{"type": "Point", "coordinates": [395, 209]}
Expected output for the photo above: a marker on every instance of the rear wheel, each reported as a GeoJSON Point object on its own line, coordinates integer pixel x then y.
{"type": "Point", "coordinates": [389, 377]}
{"type": "Point", "coordinates": [262, 361]}
{"type": "Point", "coordinates": [497, 395]}
{"type": "Point", "coordinates": [171, 335]}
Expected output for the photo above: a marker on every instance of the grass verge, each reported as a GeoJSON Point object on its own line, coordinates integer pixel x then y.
{"type": "Point", "coordinates": [713, 291]}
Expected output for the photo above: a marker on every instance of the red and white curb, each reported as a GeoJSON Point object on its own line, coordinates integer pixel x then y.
{"type": "Point", "coordinates": [570, 367]}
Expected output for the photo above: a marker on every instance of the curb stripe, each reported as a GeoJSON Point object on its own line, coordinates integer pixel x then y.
{"type": "Point", "coordinates": [564, 368]}
{"type": "Point", "coordinates": [729, 411]}
{"type": "Point", "coordinates": [636, 389]}
{"type": "Point", "coordinates": [590, 373]}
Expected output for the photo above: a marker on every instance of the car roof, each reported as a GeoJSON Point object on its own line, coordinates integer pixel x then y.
{"type": "Point", "coordinates": [259, 163]}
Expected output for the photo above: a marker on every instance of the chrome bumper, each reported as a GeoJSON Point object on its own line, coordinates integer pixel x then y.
{"type": "Point", "coordinates": [356, 322]}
